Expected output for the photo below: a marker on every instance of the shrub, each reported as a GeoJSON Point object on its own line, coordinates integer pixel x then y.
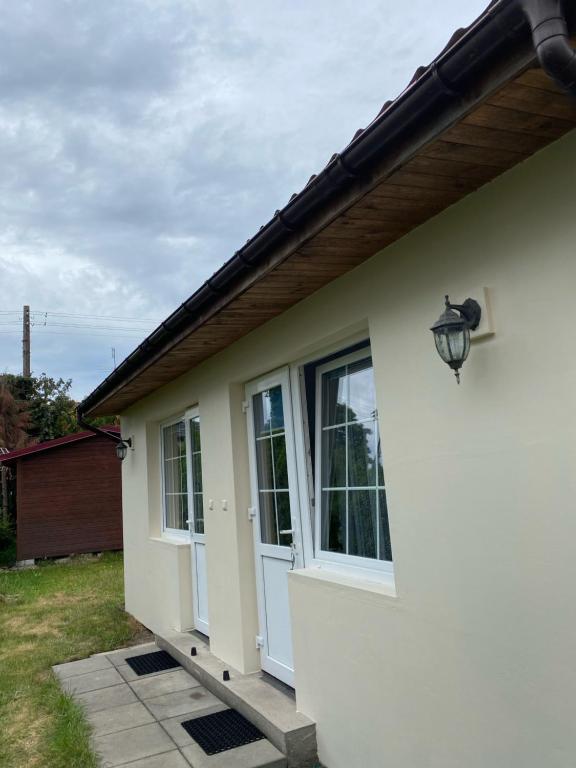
{"type": "Point", "coordinates": [7, 534]}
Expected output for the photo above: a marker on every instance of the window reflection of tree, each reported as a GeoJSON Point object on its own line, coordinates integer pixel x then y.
{"type": "Point", "coordinates": [274, 506]}
{"type": "Point", "coordinates": [360, 485]}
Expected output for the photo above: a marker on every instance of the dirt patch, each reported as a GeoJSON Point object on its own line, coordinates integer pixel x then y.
{"type": "Point", "coordinates": [21, 625]}
{"type": "Point", "coordinates": [9, 599]}
{"type": "Point", "coordinates": [141, 635]}
{"type": "Point", "coordinates": [21, 648]}
{"type": "Point", "coordinates": [63, 600]}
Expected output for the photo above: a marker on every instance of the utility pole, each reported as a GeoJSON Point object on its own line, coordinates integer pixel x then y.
{"type": "Point", "coordinates": [26, 342]}
{"type": "Point", "coordinates": [114, 356]}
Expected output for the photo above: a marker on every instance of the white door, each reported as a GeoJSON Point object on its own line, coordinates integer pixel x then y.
{"type": "Point", "coordinates": [276, 516]}
{"type": "Point", "coordinates": [196, 522]}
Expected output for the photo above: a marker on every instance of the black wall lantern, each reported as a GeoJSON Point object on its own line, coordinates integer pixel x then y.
{"type": "Point", "coordinates": [452, 332]}
{"type": "Point", "coordinates": [122, 448]}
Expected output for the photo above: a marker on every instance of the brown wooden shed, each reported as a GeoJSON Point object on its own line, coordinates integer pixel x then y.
{"type": "Point", "coordinates": [68, 496]}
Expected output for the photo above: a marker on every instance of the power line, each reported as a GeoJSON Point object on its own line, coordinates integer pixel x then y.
{"type": "Point", "coordinates": [45, 313]}
{"type": "Point", "coordinates": [116, 334]}
{"type": "Point", "coordinates": [88, 325]}
{"type": "Point", "coordinates": [75, 325]}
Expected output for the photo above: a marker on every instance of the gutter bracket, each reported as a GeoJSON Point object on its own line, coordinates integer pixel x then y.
{"type": "Point", "coordinates": [551, 40]}
{"type": "Point", "coordinates": [444, 84]}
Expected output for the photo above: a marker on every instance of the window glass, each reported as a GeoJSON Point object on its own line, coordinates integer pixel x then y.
{"type": "Point", "coordinates": [268, 522]}
{"type": "Point", "coordinates": [175, 476]}
{"type": "Point", "coordinates": [362, 512]}
{"type": "Point", "coordinates": [272, 468]}
{"type": "Point", "coordinates": [334, 521]}
{"type": "Point", "coordinates": [284, 519]}
{"type": "Point", "coordinates": [361, 448]}
{"type": "Point", "coordinates": [280, 465]}
{"type": "Point", "coordinates": [353, 510]}
{"type": "Point", "coordinates": [334, 453]}
{"type": "Point", "coordinates": [361, 394]}
{"type": "Point", "coordinates": [264, 463]}
{"type": "Point", "coordinates": [196, 461]}
{"type": "Point", "coordinates": [334, 397]}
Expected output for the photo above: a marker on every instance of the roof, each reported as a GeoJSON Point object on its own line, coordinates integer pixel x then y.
{"type": "Point", "coordinates": [481, 107]}
{"type": "Point", "coordinates": [48, 445]}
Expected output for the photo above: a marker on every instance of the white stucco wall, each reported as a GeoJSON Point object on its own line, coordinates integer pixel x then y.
{"type": "Point", "coordinates": [472, 664]}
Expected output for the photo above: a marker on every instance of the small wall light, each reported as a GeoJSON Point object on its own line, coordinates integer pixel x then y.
{"type": "Point", "coordinates": [122, 447]}
{"type": "Point", "coordinates": [452, 332]}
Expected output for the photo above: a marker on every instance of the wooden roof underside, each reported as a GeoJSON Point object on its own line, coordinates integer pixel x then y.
{"type": "Point", "coordinates": [516, 121]}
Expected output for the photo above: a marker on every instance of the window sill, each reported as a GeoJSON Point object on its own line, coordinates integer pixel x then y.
{"type": "Point", "coordinates": [381, 584]}
{"type": "Point", "coordinates": [172, 540]}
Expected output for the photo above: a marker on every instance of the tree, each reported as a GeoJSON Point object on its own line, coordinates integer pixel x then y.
{"type": "Point", "coordinates": [14, 420]}
{"type": "Point", "coordinates": [52, 410]}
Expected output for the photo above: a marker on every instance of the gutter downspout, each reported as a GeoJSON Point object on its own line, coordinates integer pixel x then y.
{"type": "Point", "coordinates": [551, 39]}
{"type": "Point", "coordinates": [84, 424]}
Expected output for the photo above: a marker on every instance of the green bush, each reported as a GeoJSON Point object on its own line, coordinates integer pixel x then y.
{"type": "Point", "coordinates": [7, 544]}
{"type": "Point", "coordinates": [7, 534]}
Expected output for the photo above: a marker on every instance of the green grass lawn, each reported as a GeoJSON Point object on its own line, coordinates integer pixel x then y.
{"type": "Point", "coordinates": [55, 613]}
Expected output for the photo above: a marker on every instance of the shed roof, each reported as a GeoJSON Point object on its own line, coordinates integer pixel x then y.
{"type": "Point", "coordinates": [481, 107]}
{"type": "Point", "coordinates": [10, 457]}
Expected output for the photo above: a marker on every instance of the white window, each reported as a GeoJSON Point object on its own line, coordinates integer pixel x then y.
{"type": "Point", "coordinates": [175, 476]}
{"type": "Point", "coordinates": [351, 512]}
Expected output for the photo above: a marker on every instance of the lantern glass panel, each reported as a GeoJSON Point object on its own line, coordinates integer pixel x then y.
{"type": "Point", "coordinates": [452, 343]}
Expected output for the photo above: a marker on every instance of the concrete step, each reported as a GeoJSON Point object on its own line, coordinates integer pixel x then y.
{"type": "Point", "coordinates": [270, 709]}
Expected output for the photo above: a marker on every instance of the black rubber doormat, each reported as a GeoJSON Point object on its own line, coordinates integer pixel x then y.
{"type": "Point", "coordinates": [157, 661]}
{"type": "Point", "coordinates": [222, 731]}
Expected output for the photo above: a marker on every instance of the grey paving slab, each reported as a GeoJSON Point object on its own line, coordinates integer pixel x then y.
{"type": "Point", "coordinates": [134, 744]}
{"type": "Point", "coordinates": [259, 754]}
{"type": "Point", "coordinates": [173, 726]}
{"type": "Point", "coordinates": [119, 657]}
{"type": "Point", "coordinates": [92, 681]}
{"type": "Point", "coordinates": [177, 680]}
{"type": "Point", "coordinates": [106, 698]}
{"type": "Point", "coordinates": [165, 760]}
{"type": "Point", "coordinates": [119, 718]}
{"type": "Point", "coordinates": [181, 702]}
{"type": "Point", "coordinates": [71, 668]}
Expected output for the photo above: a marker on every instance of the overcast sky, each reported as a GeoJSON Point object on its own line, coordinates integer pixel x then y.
{"type": "Point", "coordinates": [143, 141]}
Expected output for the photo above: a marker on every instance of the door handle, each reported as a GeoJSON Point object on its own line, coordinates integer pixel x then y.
{"type": "Point", "coordinates": [287, 532]}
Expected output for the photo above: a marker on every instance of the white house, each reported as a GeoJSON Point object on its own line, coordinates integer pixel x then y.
{"type": "Point", "coordinates": [307, 483]}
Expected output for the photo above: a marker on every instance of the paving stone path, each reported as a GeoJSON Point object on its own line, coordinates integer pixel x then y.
{"type": "Point", "coordinates": [137, 721]}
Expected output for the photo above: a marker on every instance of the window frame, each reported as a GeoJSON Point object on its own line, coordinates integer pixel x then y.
{"type": "Point", "coordinates": [167, 531]}
{"type": "Point", "coordinates": [342, 561]}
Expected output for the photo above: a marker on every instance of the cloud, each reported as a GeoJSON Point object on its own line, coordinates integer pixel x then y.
{"type": "Point", "coordinates": [143, 141]}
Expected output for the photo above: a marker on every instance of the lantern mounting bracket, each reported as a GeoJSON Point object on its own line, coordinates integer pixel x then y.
{"type": "Point", "coordinates": [470, 311]}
